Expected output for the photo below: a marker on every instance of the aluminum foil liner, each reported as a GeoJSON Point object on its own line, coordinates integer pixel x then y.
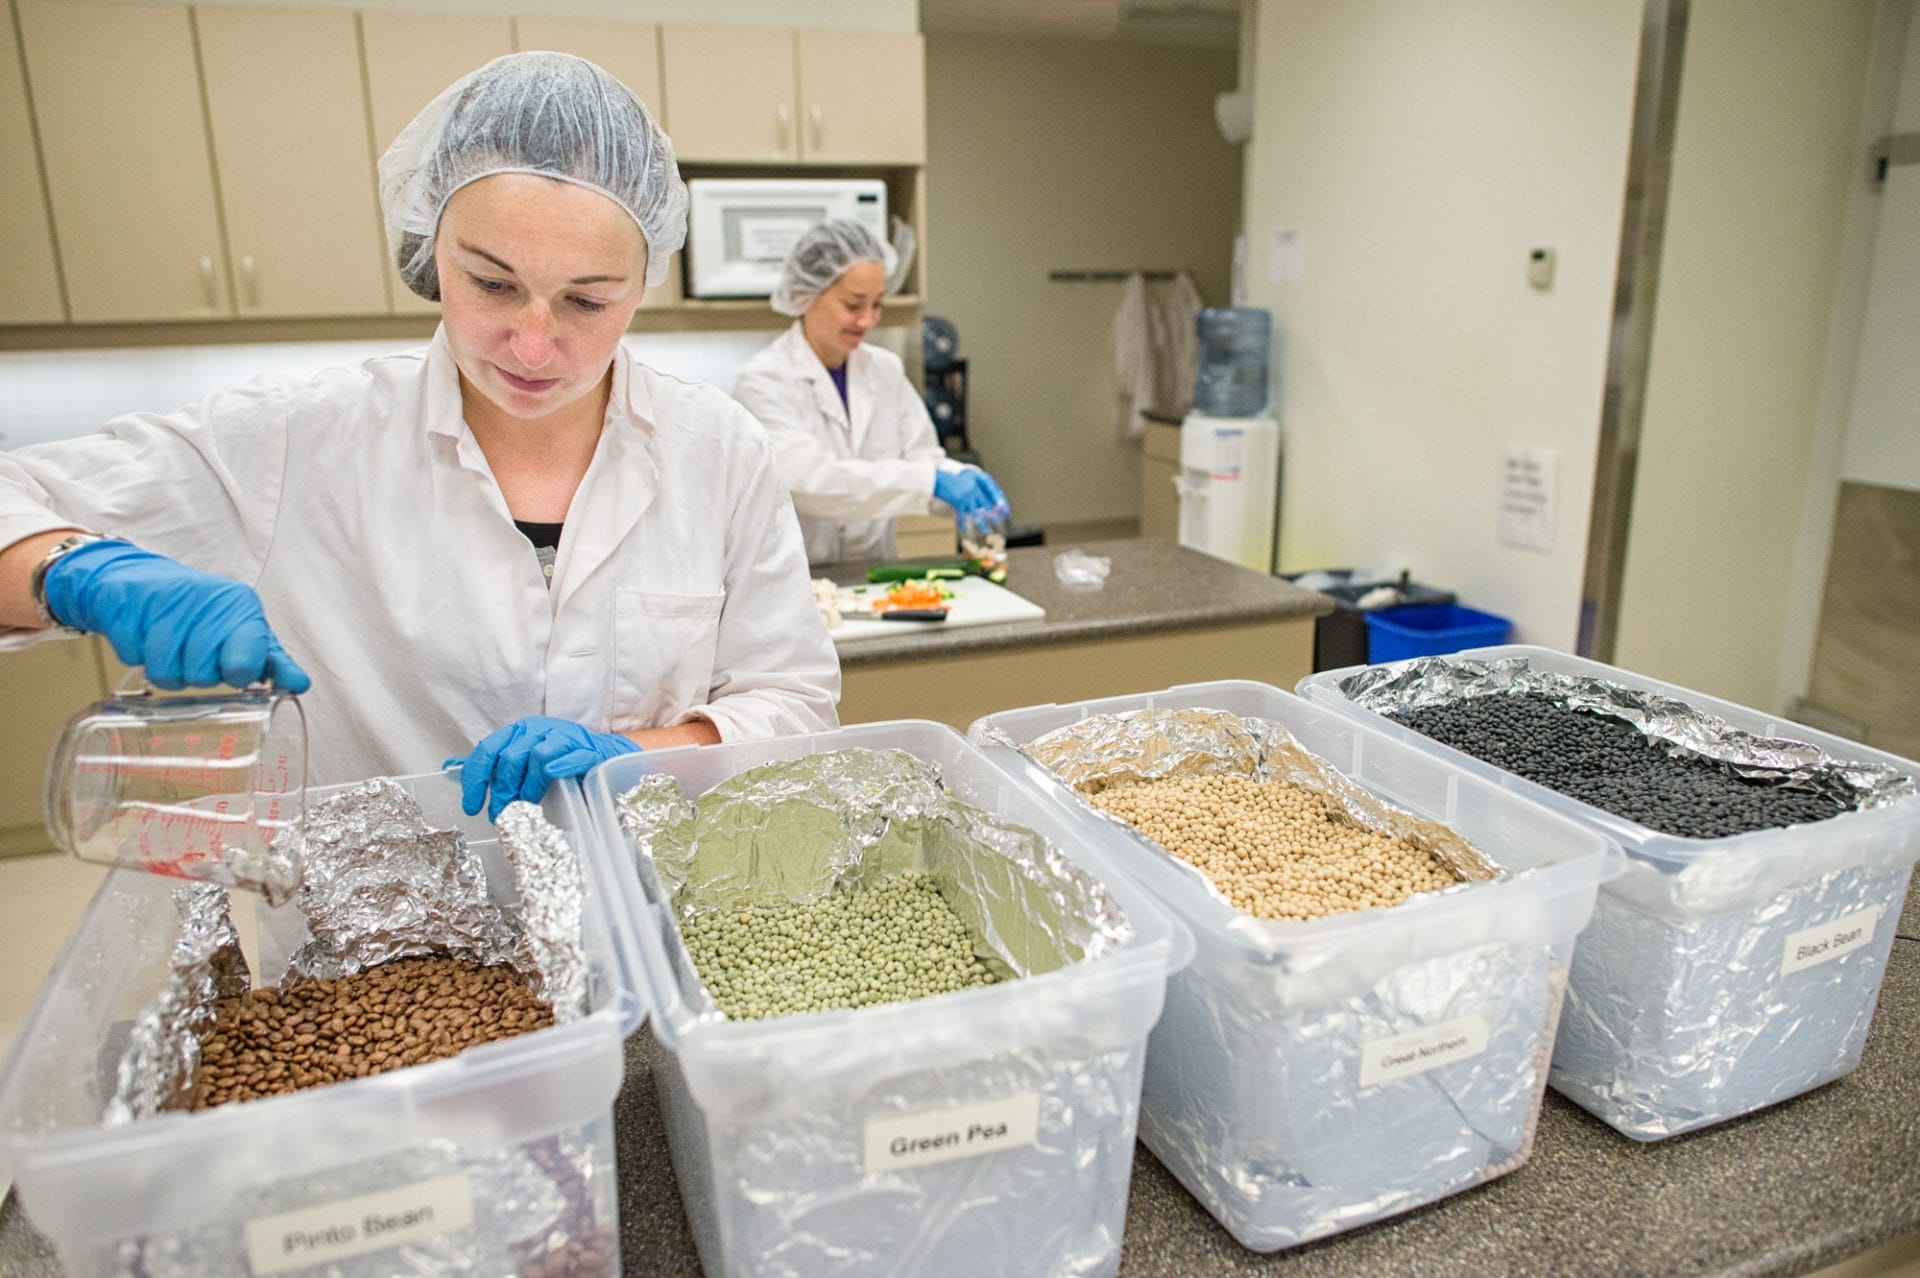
{"type": "Point", "coordinates": [382, 884]}
{"type": "Point", "coordinates": [1254, 1101]}
{"type": "Point", "coordinates": [797, 830]}
{"type": "Point", "coordinates": [1105, 750]}
{"type": "Point", "coordinates": [1429, 681]}
{"type": "Point", "coordinates": [527, 1200]}
{"type": "Point", "coordinates": [552, 908]}
{"type": "Point", "coordinates": [163, 1048]}
{"type": "Point", "coordinates": [786, 1196]}
{"type": "Point", "coordinates": [1677, 1019]}
{"type": "Point", "coordinates": [1255, 1096]}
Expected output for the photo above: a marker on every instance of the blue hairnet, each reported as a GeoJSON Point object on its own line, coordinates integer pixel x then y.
{"type": "Point", "coordinates": [547, 113]}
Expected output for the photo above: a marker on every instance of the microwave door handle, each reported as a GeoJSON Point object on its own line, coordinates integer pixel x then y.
{"type": "Point", "coordinates": [814, 114]}
{"type": "Point", "coordinates": [783, 122]}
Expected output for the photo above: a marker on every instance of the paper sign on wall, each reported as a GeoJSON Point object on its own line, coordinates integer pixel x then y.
{"type": "Point", "coordinates": [1286, 255]}
{"type": "Point", "coordinates": [1526, 498]}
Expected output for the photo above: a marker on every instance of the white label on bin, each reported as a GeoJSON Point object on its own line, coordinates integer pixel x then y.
{"type": "Point", "coordinates": [1816, 945]}
{"type": "Point", "coordinates": [942, 1135]}
{"type": "Point", "coordinates": [1388, 1060]}
{"type": "Point", "coordinates": [356, 1226]}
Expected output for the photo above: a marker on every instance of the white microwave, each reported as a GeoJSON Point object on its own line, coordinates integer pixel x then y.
{"type": "Point", "coordinates": [739, 230]}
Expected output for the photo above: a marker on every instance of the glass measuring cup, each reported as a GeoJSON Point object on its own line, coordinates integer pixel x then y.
{"type": "Point", "coordinates": [197, 786]}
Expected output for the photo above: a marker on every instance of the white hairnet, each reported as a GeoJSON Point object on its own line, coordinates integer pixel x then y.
{"type": "Point", "coordinates": [547, 113]}
{"type": "Point", "coordinates": [821, 255]}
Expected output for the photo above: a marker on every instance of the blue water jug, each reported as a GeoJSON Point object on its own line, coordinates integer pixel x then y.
{"type": "Point", "coordinates": [1234, 344]}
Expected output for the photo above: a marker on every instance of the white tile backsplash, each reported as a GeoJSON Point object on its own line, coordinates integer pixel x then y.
{"type": "Point", "coordinates": [47, 395]}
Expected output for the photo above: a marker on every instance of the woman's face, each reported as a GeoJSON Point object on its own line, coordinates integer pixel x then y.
{"type": "Point", "coordinates": [538, 280]}
{"type": "Point", "coordinates": [839, 318]}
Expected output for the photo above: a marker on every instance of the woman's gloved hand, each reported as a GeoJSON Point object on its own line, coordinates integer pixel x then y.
{"type": "Point", "coordinates": [972, 494]}
{"type": "Point", "coordinates": [189, 629]}
{"type": "Point", "coordinates": [522, 759]}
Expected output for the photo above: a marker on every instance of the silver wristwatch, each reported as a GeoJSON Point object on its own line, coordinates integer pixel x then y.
{"type": "Point", "coordinates": [37, 582]}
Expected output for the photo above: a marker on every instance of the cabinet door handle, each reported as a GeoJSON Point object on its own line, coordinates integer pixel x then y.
{"type": "Point", "coordinates": [206, 282]}
{"type": "Point", "coordinates": [783, 124]}
{"type": "Point", "coordinates": [251, 278]}
{"type": "Point", "coordinates": [814, 115]}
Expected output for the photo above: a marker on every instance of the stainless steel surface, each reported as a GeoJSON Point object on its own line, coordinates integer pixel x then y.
{"type": "Point", "coordinates": [1642, 230]}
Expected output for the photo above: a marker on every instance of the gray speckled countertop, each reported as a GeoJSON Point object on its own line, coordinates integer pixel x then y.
{"type": "Point", "coordinates": [1809, 1182]}
{"type": "Point", "coordinates": [1154, 586]}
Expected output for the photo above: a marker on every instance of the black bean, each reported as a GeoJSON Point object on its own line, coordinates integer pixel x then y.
{"type": "Point", "coordinates": [1607, 762]}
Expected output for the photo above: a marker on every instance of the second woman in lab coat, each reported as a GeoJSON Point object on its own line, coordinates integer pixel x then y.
{"type": "Point", "coordinates": [851, 435]}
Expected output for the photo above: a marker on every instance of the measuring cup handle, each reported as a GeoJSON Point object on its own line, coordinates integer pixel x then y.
{"type": "Point", "coordinates": [134, 684]}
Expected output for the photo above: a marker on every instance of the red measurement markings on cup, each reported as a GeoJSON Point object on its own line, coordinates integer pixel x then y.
{"type": "Point", "coordinates": [177, 841]}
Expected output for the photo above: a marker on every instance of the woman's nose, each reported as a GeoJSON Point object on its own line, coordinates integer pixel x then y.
{"type": "Point", "coordinates": [532, 340]}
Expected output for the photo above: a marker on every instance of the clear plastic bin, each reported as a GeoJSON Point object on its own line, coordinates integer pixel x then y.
{"type": "Point", "coordinates": [1691, 1000]}
{"type": "Point", "coordinates": [1258, 1096]}
{"type": "Point", "coordinates": [767, 1120]}
{"type": "Point", "coordinates": [222, 1190]}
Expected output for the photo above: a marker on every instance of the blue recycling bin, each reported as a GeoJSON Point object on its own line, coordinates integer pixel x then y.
{"type": "Point", "coordinates": [1431, 630]}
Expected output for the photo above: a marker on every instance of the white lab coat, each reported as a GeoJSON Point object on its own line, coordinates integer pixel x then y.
{"type": "Point", "coordinates": [362, 509]}
{"type": "Point", "coordinates": [849, 478]}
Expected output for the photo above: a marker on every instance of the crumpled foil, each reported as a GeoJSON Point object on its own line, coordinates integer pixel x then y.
{"type": "Point", "coordinates": [527, 1200]}
{"type": "Point", "coordinates": [1429, 681]}
{"type": "Point", "coordinates": [1104, 750]}
{"type": "Point", "coordinates": [773, 1168]}
{"type": "Point", "coordinates": [799, 829]}
{"type": "Point", "coordinates": [1677, 1020]}
{"type": "Point", "coordinates": [552, 893]}
{"type": "Point", "coordinates": [1252, 1094]}
{"type": "Point", "coordinates": [1678, 1012]}
{"type": "Point", "coordinates": [1252, 1099]}
{"type": "Point", "coordinates": [163, 1047]}
{"type": "Point", "coordinates": [785, 1195]}
{"type": "Point", "coordinates": [382, 884]}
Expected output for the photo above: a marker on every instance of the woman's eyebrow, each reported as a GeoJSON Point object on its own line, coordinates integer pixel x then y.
{"type": "Point", "coordinates": [480, 252]}
{"type": "Point", "coordinates": [583, 279]}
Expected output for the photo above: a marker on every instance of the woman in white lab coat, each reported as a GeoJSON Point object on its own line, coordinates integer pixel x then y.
{"type": "Point", "coordinates": [518, 537]}
{"type": "Point", "coordinates": [850, 433]}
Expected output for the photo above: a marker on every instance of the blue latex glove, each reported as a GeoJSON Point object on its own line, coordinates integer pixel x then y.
{"type": "Point", "coordinates": [522, 759]}
{"type": "Point", "coordinates": [188, 628]}
{"type": "Point", "coordinates": [972, 494]}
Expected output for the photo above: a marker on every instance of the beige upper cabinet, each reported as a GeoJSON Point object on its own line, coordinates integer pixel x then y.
{"type": "Point", "coordinates": [29, 280]}
{"type": "Point", "coordinates": [289, 125]}
{"type": "Point", "coordinates": [410, 58]}
{"type": "Point", "coordinates": [630, 51]}
{"type": "Point", "coordinates": [117, 100]}
{"type": "Point", "coordinates": [730, 94]}
{"type": "Point", "coordinates": [862, 97]}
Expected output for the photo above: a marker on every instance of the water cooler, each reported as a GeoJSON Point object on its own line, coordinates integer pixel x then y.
{"type": "Point", "coordinates": [1229, 480]}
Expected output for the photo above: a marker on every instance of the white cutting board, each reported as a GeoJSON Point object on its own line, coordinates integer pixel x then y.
{"type": "Point", "coordinates": [976, 602]}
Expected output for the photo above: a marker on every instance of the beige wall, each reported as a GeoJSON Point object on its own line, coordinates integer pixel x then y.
{"type": "Point", "coordinates": [851, 15]}
{"type": "Point", "coordinates": [1045, 155]}
{"type": "Point", "coordinates": [1883, 428]}
{"type": "Point", "coordinates": [1765, 159]}
{"type": "Point", "coordinates": [1422, 150]}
